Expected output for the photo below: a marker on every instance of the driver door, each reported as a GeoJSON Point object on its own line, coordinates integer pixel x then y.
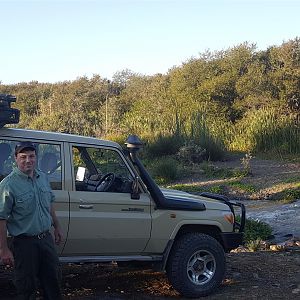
{"type": "Point", "coordinates": [106, 222]}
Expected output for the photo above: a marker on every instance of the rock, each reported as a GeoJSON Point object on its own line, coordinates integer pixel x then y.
{"type": "Point", "coordinates": [239, 249]}
{"type": "Point", "coordinates": [277, 247]}
{"type": "Point", "coordinates": [264, 245]}
{"type": "Point", "coordinates": [290, 243]}
{"type": "Point", "coordinates": [296, 291]}
{"type": "Point", "coordinates": [298, 261]}
{"type": "Point", "coordinates": [236, 275]}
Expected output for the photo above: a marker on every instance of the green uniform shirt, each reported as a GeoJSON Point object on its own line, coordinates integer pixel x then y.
{"type": "Point", "coordinates": [25, 203]}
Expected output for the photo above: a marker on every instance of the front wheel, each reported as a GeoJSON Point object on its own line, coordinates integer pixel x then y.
{"type": "Point", "coordinates": [196, 265]}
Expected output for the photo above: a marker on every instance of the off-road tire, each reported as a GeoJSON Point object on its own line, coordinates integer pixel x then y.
{"type": "Point", "coordinates": [196, 265]}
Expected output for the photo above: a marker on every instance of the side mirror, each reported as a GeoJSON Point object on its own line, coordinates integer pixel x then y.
{"type": "Point", "coordinates": [135, 192]}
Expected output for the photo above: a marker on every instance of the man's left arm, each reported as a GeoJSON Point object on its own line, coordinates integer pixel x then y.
{"type": "Point", "coordinates": [58, 234]}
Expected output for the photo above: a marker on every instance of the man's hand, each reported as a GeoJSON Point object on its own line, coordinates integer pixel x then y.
{"type": "Point", "coordinates": [58, 235]}
{"type": "Point", "coordinates": [7, 257]}
{"type": "Point", "coordinates": [5, 254]}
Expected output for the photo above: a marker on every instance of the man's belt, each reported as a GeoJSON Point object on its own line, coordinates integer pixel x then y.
{"type": "Point", "coordinates": [39, 236]}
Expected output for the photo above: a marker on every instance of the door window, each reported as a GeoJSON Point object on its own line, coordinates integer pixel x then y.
{"type": "Point", "coordinates": [7, 161]}
{"type": "Point", "coordinates": [48, 161]}
{"type": "Point", "coordinates": [100, 170]}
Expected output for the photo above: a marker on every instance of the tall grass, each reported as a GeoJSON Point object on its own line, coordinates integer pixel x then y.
{"type": "Point", "coordinates": [204, 133]}
{"type": "Point", "coordinates": [285, 138]}
{"type": "Point", "coordinates": [164, 145]}
{"type": "Point", "coordinates": [266, 130]}
{"type": "Point", "coordinates": [164, 169]}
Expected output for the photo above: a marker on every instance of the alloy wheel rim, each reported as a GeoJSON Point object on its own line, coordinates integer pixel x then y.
{"type": "Point", "coordinates": [201, 267]}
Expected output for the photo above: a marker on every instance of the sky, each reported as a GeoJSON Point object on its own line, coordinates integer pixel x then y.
{"type": "Point", "coordinates": [54, 41]}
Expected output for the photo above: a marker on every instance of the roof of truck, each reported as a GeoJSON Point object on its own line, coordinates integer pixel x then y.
{"type": "Point", "coordinates": [54, 136]}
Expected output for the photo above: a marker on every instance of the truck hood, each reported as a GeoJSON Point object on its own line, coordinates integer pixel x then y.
{"type": "Point", "coordinates": [181, 196]}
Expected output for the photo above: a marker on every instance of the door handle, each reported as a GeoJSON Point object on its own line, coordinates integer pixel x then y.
{"type": "Point", "coordinates": [86, 206]}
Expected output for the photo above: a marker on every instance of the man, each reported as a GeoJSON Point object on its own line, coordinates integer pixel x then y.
{"type": "Point", "coordinates": [27, 213]}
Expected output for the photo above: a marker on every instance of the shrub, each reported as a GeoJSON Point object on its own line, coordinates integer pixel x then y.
{"type": "Point", "coordinates": [164, 169]}
{"type": "Point", "coordinates": [211, 171]}
{"type": "Point", "coordinates": [254, 245]}
{"type": "Point", "coordinates": [192, 153]}
{"type": "Point", "coordinates": [245, 161]}
{"type": "Point", "coordinates": [197, 189]}
{"type": "Point", "coordinates": [214, 148]}
{"type": "Point", "coordinates": [207, 137]}
{"type": "Point", "coordinates": [164, 145]}
{"type": "Point", "coordinates": [256, 230]}
{"type": "Point", "coordinates": [217, 189]}
{"type": "Point", "coordinates": [291, 195]}
{"type": "Point", "coordinates": [189, 188]}
{"type": "Point", "coordinates": [242, 186]}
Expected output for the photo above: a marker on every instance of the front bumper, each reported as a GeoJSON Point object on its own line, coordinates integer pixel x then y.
{"type": "Point", "coordinates": [231, 240]}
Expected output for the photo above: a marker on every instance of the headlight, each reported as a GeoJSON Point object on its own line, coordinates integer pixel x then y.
{"type": "Point", "coordinates": [229, 217]}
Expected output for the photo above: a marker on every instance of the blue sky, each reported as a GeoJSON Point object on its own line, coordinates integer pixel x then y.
{"type": "Point", "coordinates": [51, 40]}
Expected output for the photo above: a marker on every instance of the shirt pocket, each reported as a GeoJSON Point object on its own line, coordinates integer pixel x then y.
{"type": "Point", "coordinates": [45, 197]}
{"type": "Point", "coordinates": [24, 202]}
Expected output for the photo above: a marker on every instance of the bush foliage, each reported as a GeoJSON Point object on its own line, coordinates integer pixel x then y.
{"type": "Point", "coordinates": [236, 99]}
{"type": "Point", "coordinates": [256, 230]}
{"type": "Point", "coordinates": [164, 169]}
{"type": "Point", "coordinates": [164, 146]}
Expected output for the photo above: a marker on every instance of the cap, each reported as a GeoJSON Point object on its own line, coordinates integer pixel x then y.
{"type": "Point", "coordinates": [24, 145]}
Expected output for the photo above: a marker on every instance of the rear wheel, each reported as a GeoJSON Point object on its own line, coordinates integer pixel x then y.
{"type": "Point", "coordinates": [196, 265]}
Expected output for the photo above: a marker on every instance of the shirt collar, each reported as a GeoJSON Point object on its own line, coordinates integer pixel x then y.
{"type": "Point", "coordinates": [36, 173]}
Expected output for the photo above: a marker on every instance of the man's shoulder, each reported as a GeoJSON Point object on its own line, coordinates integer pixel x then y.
{"type": "Point", "coordinates": [7, 180]}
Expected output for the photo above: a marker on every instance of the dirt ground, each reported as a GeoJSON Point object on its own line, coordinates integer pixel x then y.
{"type": "Point", "coordinates": [250, 275]}
{"type": "Point", "coordinates": [268, 178]}
{"type": "Point", "coordinates": [271, 181]}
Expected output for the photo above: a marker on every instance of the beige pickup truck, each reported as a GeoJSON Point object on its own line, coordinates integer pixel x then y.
{"type": "Point", "coordinates": [111, 209]}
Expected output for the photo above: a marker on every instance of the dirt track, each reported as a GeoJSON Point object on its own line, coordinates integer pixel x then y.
{"type": "Point", "coordinates": [258, 275]}
{"type": "Point", "coordinates": [283, 218]}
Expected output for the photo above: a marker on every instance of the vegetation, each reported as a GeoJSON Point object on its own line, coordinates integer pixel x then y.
{"type": "Point", "coordinates": [164, 169]}
{"type": "Point", "coordinates": [291, 195]}
{"type": "Point", "coordinates": [193, 188]}
{"type": "Point", "coordinates": [242, 186]}
{"type": "Point", "coordinates": [237, 99]}
{"type": "Point", "coordinates": [164, 145]}
{"type": "Point", "coordinates": [256, 230]}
